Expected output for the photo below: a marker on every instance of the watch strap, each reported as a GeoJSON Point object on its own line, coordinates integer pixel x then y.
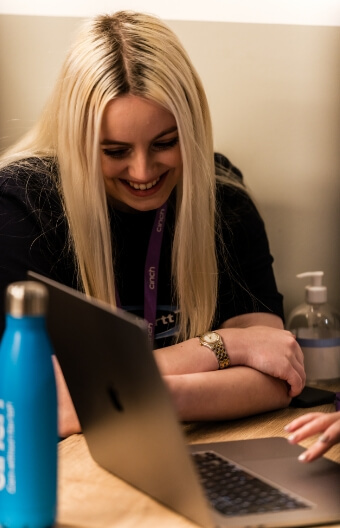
{"type": "Point", "coordinates": [222, 356]}
{"type": "Point", "coordinates": [219, 350]}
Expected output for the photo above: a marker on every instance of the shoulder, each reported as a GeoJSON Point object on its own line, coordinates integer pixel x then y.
{"type": "Point", "coordinates": [29, 190]}
{"type": "Point", "coordinates": [232, 198]}
{"type": "Point", "coordinates": [29, 180]}
{"type": "Point", "coordinates": [225, 168]}
{"type": "Point", "coordinates": [238, 220]}
{"type": "Point", "coordinates": [29, 170]}
{"type": "Point", "coordinates": [234, 204]}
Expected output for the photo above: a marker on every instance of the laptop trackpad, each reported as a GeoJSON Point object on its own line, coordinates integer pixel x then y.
{"type": "Point", "coordinates": [306, 480]}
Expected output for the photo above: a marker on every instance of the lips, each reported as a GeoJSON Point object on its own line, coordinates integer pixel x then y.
{"type": "Point", "coordinates": [143, 186]}
{"type": "Point", "coordinates": [146, 188]}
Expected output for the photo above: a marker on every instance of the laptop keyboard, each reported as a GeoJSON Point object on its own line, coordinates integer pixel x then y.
{"type": "Point", "coordinates": [232, 491]}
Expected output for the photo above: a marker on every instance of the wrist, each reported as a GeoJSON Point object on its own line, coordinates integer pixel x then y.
{"type": "Point", "coordinates": [234, 342]}
{"type": "Point", "coordinates": [214, 342]}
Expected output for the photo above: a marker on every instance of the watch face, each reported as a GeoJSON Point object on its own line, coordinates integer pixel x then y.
{"type": "Point", "coordinates": [211, 337]}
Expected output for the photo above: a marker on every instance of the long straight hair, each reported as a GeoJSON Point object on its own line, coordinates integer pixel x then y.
{"type": "Point", "coordinates": [117, 54]}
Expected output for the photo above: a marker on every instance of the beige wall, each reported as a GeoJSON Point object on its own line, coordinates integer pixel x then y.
{"type": "Point", "coordinates": [274, 92]}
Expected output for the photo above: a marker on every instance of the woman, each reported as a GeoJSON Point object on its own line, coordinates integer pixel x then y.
{"type": "Point", "coordinates": [114, 192]}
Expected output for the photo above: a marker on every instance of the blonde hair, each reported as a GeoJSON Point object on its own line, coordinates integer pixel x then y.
{"type": "Point", "coordinates": [134, 53]}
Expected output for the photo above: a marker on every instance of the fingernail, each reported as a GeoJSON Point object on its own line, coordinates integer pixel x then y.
{"type": "Point", "coordinates": [303, 457]}
{"type": "Point", "coordinates": [287, 427]}
{"type": "Point", "coordinates": [324, 439]}
{"type": "Point", "coordinates": [291, 438]}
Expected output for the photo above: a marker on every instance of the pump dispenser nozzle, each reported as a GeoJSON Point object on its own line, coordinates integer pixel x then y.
{"type": "Point", "coordinates": [316, 293]}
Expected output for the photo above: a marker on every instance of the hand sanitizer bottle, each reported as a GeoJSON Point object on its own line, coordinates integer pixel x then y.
{"type": "Point", "coordinates": [28, 412]}
{"type": "Point", "coordinates": [317, 329]}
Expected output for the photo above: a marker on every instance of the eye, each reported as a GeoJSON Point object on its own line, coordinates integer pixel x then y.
{"type": "Point", "coordinates": [116, 153]}
{"type": "Point", "coordinates": [165, 145]}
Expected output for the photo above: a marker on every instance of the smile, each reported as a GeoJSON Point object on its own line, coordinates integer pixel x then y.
{"type": "Point", "coordinates": [143, 186]}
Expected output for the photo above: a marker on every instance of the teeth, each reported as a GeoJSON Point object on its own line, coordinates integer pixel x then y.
{"type": "Point", "coordinates": [143, 186]}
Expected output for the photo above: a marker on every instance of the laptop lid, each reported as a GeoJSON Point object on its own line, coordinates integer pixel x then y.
{"type": "Point", "coordinates": [122, 403]}
{"type": "Point", "coordinates": [131, 428]}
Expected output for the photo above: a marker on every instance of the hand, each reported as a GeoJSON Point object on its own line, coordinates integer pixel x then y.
{"type": "Point", "coordinates": [68, 422]}
{"type": "Point", "coordinates": [270, 350]}
{"type": "Point", "coordinates": [313, 423]}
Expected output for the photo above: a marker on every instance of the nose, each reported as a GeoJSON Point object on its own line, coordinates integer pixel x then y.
{"type": "Point", "coordinates": [141, 167]}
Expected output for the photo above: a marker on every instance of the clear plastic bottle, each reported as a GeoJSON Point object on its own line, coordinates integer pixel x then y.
{"type": "Point", "coordinates": [317, 329]}
{"type": "Point", "coordinates": [28, 412]}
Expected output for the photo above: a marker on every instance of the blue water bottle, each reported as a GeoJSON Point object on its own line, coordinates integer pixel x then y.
{"type": "Point", "coordinates": [28, 412]}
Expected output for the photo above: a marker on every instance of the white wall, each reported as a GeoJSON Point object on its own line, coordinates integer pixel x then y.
{"type": "Point", "coordinates": [305, 12]}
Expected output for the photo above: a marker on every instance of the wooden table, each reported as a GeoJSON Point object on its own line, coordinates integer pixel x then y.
{"type": "Point", "coordinates": [90, 497]}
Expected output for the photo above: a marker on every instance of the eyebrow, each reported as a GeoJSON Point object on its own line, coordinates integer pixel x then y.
{"type": "Point", "coordinates": [161, 134]}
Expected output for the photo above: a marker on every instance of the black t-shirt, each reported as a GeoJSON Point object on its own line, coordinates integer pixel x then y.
{"type": "Point", "coordinates": [34, 236]}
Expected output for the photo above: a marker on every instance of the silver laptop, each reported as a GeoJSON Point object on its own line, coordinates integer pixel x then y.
{"type": "Point", "coordinates": [132, 431]}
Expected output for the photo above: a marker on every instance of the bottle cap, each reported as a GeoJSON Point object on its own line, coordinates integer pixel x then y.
{"type": "Point", "coordinates": [316, 293]}
{"type": "Point", "coordinates": [26, 298]}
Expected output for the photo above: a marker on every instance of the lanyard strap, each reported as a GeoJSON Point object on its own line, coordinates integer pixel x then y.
{"type": "Point", "coordinates": [151, 271]}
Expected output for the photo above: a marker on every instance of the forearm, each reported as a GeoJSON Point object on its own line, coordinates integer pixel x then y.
{"type": "Point", "coordinates": [188, 356]}
{"type": "Point", "coordinates": [257, 341]}
{"type": "Point", "coordinates": [185, 358]}
{"type": "Point", "coordinates": [254, 319]}
{"type": "Point", "coordinates": [226, 394]}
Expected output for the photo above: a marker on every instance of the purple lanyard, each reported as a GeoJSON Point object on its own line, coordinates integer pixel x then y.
{"type": "Point", "coordinates": [337, 401]}
{"type": "Point", "coordinates": [151, 271]}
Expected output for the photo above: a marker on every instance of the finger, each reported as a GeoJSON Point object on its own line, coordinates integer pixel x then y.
{"type": "Point", "coordinates": [315, 423]}
{"type": "Point", "coordinates": [295, 348]}
{"type": "Point", "coordinates": [318, 449]}
{"type": "Point", "coordinates": [329, 438]}
{"type": "Point", "coordinates": [300, 421]}
{"type": "Point", "coordinates": [332, 434]}
{"type": "Point", "coordinates": [296, 380]}
{"type": "Point", "coordinates": [294, 373]}
{"type": "Point", "coordinates": [296, 384]}
{"type": "Point", "coordinates": [298, 362]}
{"type": "Point", "coordinates": [307, 430]}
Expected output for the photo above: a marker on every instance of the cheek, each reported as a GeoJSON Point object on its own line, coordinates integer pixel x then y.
{"type": "Point", "coordinates": [175, 160]}
{"type": "Point", "coordinates": [179, 166]}
{"type": "Point", "coordinates": [104, 164]}
{"type": "Point", "coordinates": [109, 167]}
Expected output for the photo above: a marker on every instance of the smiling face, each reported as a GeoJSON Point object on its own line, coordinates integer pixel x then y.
{"type": "Point", "coordinates": [140, 154]}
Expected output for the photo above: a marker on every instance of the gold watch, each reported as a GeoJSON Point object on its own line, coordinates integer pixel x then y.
{"type": "Point", "coordinates": [214, 341]}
